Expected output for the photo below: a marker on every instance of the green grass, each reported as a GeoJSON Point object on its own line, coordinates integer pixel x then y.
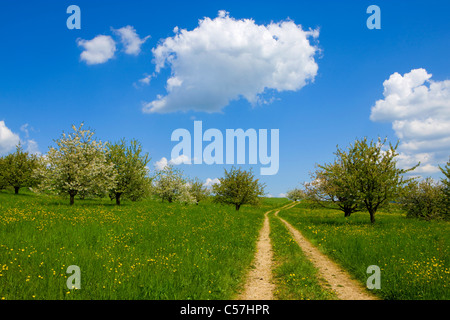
{"type": "Point", "coordinates": [414, 255]}
{"type": "Point", "coordinates": [154, 250]}
{"type": "Point", "coordinates": [141, 250]}
{"type": "Point", "coordinates": [295, 276]}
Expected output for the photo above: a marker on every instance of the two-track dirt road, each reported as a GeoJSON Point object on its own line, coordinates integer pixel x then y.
{"type": "Point", "coordinates": [260, 285]}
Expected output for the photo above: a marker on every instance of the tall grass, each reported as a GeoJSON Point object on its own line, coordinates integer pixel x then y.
{"type": "Point", "coordinates": [414, 255]}
{"type": "Point", "coordinates": [142, 250]}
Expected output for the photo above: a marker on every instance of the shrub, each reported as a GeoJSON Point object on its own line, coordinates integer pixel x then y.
{"type": "Point", "coordinates": [424, 199]}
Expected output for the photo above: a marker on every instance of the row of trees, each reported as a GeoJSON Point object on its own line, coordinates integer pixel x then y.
{"type": "Point", "coordinates": [237, 187]}
{"type": "Point", "coordinates": [365, 178]}
{"type": "Point", "coordinates": [79, 165]}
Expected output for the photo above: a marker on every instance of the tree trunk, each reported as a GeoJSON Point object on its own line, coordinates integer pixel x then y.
{"type": "Point", "coordinates": [16, 190]}
{"type": "Point", "coordinates": [72, 197]}
{"type": "Point", "coordinates": [372, 216]}
{"type": "Point", "coordinates": [118, 198]}
{"type": "Point", "coordinates": [237, 207]}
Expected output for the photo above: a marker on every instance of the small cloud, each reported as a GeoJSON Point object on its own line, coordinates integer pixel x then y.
{"type": "Point", "coordinates": [146, 80]}
{"type": "Point", "coordinates": [98, 50]}
{"type": "Point", "coordinates": [130, 39]}
{"type": "Point", "coordinates": [24, 128]}
{"type": "Point", "coordinates": [181, 159]}
{"type": "Point", "coordinates": [163, 163]}
{"type": "Point", "coordinates": [282, 195]}
{"type": "Point", "coordinates": [210, 182]}
{"type": "Point", "coordinates": [32, 147]}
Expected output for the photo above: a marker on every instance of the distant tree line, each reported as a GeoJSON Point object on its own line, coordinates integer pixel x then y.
{"type": "Point", "coordinates": [84, 167]}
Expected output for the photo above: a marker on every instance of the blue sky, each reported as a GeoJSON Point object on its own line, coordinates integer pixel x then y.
{"type": "Point", "coordinates": [46, 85]}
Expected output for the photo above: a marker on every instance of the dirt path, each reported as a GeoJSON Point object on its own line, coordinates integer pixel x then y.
{"type": "Point", "coordinates": [259, 285]}
{"type": "Point", "coordinates": [345, 287]}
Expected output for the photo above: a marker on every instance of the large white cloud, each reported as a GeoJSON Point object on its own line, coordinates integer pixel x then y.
{"type": "Point", "coordinates": [419, 109]}
{"type": "Point", "coordinates": [130, 39]}
{"type": "Point", "coordinates": [8, 139]}
{"type": "Point", "coordinates": [224, 59]}
{"type": "Point", "coordinates": [98, 50]}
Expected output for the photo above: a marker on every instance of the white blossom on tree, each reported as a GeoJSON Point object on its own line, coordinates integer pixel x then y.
{"type": "Point", "coordinates": [78, 165]}
{"type": "Point", "coordinates": [170, 185]}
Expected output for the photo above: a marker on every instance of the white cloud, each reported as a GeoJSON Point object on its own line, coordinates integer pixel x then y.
{"type": "Point", "coordinates": [180, 159]}
{"type": "Point", "coordinates": [32, 147]}
{"type": "Point", "coordinates": [130, 40]}
{"type": "Point", "coordinates": [24, 128]}
{"type": "Point", "coordinates": [409, 160]}
{"type": "Point", "coordinates": [225, 59]}
{"type": "Point", "coordinates": [419, 109]}
{"type": "Point", "coordinates": [98, 50]}
{"type": "Point", "coordinates": [210, 182]}
{"type": "Point", "coordinates": [146, 79]}
{"type": "Point", "coordinates": [8, 139]}
{"type": "Point", "coordinates": [282, 195]}
{"type": "Point", "coordinates": [163, 163]}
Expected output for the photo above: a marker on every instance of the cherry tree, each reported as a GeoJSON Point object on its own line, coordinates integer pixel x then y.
{"type": "Point", "coordinates": [78, 164]}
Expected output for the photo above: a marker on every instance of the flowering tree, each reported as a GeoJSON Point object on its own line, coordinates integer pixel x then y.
{"type": "Point", "coordinates": [365, 177]}
{"type": "Point", "coordinates": [170, 185]}
{"type": "Point", "coordinates": [198, 190]}
{"type": "Point", "coordinates": [77, 165]}
{"type": "Point", "coordinates": [186, 196]}
{"type": "Point", "coordinates": [295, 194]}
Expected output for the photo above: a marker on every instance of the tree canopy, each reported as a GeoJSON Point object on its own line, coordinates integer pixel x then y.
{"type": "Point", "coordinates": [78, 164]}
{"type": "Point", "coordinates": [365, 177]}
{"type": "Point", "coordinates": [16, 169]}
{"type": "Point", "coordinates": [238, 187]}
{"type": "Point", "coordinates": [131, 172]}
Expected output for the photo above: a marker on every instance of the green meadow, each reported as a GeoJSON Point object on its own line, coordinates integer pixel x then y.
{"type": "Point", "coordinates": [413, 255]}
{"type": "Point", "coordinates": [156, 250]}
{"type": "Point", "coordinates": [140, 250]}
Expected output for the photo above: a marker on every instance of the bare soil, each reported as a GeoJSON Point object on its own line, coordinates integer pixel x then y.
{"type": "Point", "coordinates": [259, 285]}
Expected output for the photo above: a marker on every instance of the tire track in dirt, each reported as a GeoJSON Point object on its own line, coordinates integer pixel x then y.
{"type": "Point", "coordinates": [339, 280]}
{"type": "Point", "coordinates": [259, 284]}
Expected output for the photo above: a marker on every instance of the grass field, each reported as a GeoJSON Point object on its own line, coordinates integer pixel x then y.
{"type": "Point", "coordinates": [413, 255]}
{"type": "Point", "coordinates": [142, 250]}
{"type": "Point", "coordinates": [154, 250]}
